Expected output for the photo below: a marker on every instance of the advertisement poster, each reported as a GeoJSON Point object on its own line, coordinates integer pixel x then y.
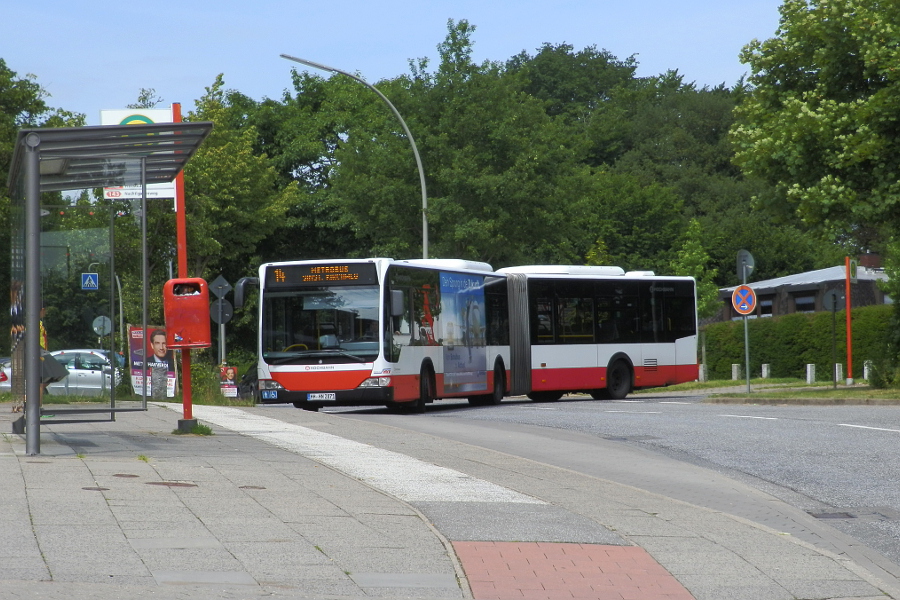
{"type": "Point", "coordinates": [465, 355]}
{"type": "Point", "coordinates": [138, 116]}
{"type": "Point", "coordinates": [154, 359]}
{"type": "Point", "coordinates": [228, 381]}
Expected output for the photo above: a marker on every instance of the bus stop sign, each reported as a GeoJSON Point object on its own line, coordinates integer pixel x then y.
{"type": "Point", "coordinates": [744, 300]}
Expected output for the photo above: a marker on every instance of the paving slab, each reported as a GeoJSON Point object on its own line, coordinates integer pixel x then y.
{"type": "Point", "coordinates": [303, 505]}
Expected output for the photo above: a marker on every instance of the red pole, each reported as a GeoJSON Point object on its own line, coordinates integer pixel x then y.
{"type": "Point", "coordinates": [849, 327]}
{"type": "Point", "coordinates": [181, 239]}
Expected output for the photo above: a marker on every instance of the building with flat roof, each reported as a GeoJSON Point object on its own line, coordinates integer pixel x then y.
{"type": "Point", "coordinates": [805, 292]}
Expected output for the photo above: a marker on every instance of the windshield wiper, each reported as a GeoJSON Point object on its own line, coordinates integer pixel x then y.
{"type": "Point", "coordinates": [293, 356]}
{"type": "Point", "coordinates": [344, 353]}
{"type": "Point", "coordinates": [316, 353]}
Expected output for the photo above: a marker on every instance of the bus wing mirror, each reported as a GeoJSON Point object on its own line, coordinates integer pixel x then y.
{"type": "Point", "coordinates": [240, 289]}
{"type": "Point", "coordinates": [396, 303]}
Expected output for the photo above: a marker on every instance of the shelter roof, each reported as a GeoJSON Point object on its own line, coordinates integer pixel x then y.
{"type": "Point", "coordinates": [108, 155]}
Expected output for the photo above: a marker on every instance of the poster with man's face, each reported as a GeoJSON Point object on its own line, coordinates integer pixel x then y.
{"type": "Point", "coordinates": [228, 381]}
{"type": "Point", "coordinates": [153, 359]}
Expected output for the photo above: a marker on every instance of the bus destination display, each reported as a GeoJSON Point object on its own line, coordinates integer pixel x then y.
{"type": "Point", "coordinates": [322, 274]}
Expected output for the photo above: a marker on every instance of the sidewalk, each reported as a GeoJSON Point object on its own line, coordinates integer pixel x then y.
{"type": "Point", "coordinates": [313, 505]}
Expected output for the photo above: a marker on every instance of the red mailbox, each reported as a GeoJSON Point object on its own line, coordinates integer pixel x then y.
{"type": "Point", "coordinates": [186, 307]}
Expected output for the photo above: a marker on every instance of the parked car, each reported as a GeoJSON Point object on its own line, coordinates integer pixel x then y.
{"type": "Point", "coordinates": [90, 373]}
{"type": "Point", "coordinates": [248, 387]}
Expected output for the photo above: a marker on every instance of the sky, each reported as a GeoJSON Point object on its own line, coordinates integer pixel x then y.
{"type": "Point", "coordinates": [97, 54]}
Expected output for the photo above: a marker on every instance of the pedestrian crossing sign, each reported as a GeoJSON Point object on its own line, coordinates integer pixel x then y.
{"type": "Point", "coordinates": [90, 282]}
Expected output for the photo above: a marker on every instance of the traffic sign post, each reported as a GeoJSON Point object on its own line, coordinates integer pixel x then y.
{"type": "Point", "coordinates": [745, 265]}
{"type": "Point", "coordinates": [744, 301]}
{"type": "Point", "coordinates": [221, 310]}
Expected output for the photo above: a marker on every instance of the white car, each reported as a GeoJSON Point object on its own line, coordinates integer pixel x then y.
{"type": "Point", "coordinates": [90, 373]}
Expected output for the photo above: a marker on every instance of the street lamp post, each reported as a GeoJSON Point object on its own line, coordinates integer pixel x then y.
{"type": "Point", "coordinates": [406, 130]}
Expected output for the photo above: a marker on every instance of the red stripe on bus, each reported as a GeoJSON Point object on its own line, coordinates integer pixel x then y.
{"type": "Point", "coordinates": [664, 375]}
{"type": "Point", "coordinates": [322, 380]}
{"type": "Point", "coordinates": [589, 378]}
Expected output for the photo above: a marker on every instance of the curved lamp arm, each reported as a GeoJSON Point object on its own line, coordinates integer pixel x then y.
{"type": "Point", "coordinates": [406, 130]}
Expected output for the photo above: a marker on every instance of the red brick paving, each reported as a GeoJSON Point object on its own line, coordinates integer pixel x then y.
{"type": "Point", "coordinates": [551, 571]}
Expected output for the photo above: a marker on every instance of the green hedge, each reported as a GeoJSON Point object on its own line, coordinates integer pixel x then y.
{"type": "Point", "coordinates": [791, 342]}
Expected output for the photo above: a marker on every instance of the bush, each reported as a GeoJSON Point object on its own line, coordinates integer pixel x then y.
{"type": "Point", "coordinates": [790, 342]}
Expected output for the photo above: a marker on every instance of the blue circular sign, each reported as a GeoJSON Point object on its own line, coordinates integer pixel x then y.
{"type": "Point", "coordinates": [744, 300]}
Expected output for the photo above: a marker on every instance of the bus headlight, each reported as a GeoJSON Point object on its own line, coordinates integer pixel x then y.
{"type": "Point", "coordinates": [270, 384]}
{"type": "Point", "coordinates": [372, 382]}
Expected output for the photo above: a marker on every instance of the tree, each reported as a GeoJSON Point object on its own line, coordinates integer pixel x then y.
{"type": "Point", "coordinates": [234, 198]}
{"type": "Point", "coordinates": [571, 83]}
{"type": "Point", "coordinates": [666, 132]}
{"type": "Point", "coordinates": [147, 98]}
{"type": "Point", "coordinates": [500, 171]}
{"type": "Point", "coordinates": [22, 104]}
{"type": "Point", "coordinates": [692, 260]}
{"type": "Point", "coordinates": [627, 224]}
{"type": "Point", "coordinates": [822, 122]}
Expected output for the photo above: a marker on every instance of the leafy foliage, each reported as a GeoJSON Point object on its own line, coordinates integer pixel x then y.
{"type": "Point", "coordinates": [692, 260]}
{"type": "Point", "coordinates": [822, 123]}
{"type": "Point", "coordinates": [556, 156]}
{"type": "Point", "coordinates": [790, 342]}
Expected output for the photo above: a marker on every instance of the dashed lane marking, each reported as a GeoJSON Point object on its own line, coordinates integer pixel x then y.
{"type": "Point", "coordinates": [867, 427]}
{"type": "Point", "coordinates": [750, 417]}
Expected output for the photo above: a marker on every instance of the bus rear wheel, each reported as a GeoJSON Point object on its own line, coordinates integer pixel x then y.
{"type": "Point", "coordinates": [618, 380]}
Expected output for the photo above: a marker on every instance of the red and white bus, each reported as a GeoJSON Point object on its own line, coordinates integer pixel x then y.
{"type": "Point", "coordinates": [403, 333]}
{"type": "Point", "coordinates": [599, 330]}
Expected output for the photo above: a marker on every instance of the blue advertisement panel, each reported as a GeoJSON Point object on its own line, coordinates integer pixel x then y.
{"type": "Point", "coordinates": [462, 313]}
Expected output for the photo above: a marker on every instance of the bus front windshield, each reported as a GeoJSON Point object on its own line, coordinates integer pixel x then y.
{"type": "Point", "coordinates": [327, 324]}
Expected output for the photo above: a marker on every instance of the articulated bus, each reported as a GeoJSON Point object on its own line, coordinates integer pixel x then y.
{"type": "Point", "coordinates": [403, 333]}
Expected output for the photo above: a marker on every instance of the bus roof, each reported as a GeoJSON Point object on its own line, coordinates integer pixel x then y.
{"type": "Point", "coordinates": [564, 270]}
{"type": "Point", "coordinates": [450, 263]}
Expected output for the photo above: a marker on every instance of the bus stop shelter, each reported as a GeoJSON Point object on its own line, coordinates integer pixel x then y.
{"type": "Point", "coordinates": [75, 158]}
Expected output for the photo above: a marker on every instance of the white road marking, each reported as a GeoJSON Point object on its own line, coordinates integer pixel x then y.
{"type": "Point", "coordinates": [402, 476]}
{"type": "Point", "coordinates": [866, 427]}
{"type": "Point", "coordinates": [750, 417]}
{"type": "Point", "coordinates": [673, 402]}
{"type": "Point", "coordinates": [636, 412]}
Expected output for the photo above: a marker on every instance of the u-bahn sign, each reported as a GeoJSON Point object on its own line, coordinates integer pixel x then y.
{"type": "Point", "coordinates": [744, 300]}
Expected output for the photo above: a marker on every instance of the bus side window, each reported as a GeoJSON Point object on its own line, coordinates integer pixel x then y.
{"type": "Point", "coordinates": [608, 330]}
{"type": "Point", "coordinates": [575, 320]}
{"type": "Point", "coordinates": [543, 311]}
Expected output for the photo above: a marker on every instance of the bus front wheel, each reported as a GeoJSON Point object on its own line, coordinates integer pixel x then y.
{"type": "Point", "coordinates": [426, 389]}
{"type": "Point", "coordinates": [497, 392]}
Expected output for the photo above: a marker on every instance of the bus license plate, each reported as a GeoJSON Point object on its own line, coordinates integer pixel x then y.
{"type": "Point", "coordinates": [322, 396]}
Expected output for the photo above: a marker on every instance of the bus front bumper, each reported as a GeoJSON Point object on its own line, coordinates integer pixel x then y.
{"type": "Point", "coordinates": [355, 397]}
